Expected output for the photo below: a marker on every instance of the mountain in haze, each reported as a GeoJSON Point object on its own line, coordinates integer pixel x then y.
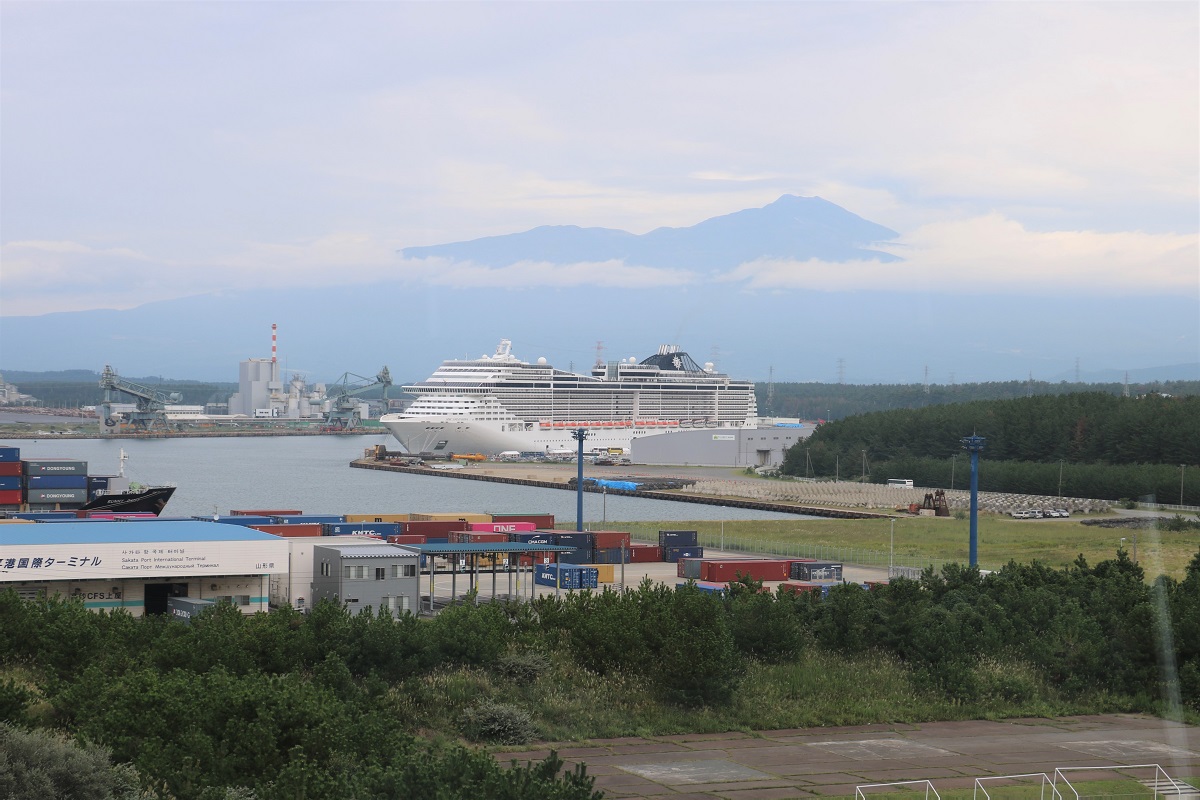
{"type": "Point", "coordinates": [794, 228]}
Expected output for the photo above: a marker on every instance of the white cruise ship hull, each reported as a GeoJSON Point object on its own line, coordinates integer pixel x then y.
{"type": "Point", "coordinates": [489, 438]}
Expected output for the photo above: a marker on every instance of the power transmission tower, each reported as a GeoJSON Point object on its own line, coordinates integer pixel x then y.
{"type": "Point", "coordinates": [841, 370]}
{"type": "Point", "coordinates": [771, 391]}
{"type": "Point", "coordinates": [599, 353]}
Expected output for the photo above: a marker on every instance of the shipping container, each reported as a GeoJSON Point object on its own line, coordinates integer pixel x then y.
{"type": "Point", "coordinates": [577, 556]}
{"type": "Point", "coordinates": [10, 454]}
{"type": "Point", "coordinates": [816, 571]}
{"type": "Point", "coordinates": [705, 586]}
{"type": "Point", "coordinates": [289, 531]}
{"type": "Point", "coordinates": [581, 540]}
{"type": "Point", "coordinates": [539, 521]}
{"type": "Point", "coordinates": [436, 540]}
{"type": "Point", "coordinates": [65, 496]}
{"type": "Point", "coordinates": [795, 587]}
{"type": "Point", "coordinates": [677, 539]}
{"type": "Point", "coordinates": [95, 482]}
{"type": "Point", "coordinates": [53, 466]}
{"type": "Point", "coordinates": [567, 576]}
{"type": "Point", "coordinates": [605, 573]}
{"type": "Point", "coordinates": [727, 570]}
{"type": "Point", "coordinates": [305, 519]}
{"type": "Point", "coordinates": [33, 482]}
{"type": "Point", "coordinates": [42, 516]}
{"type": "Point", "coordinates": [478, 537]}
{"type": "Point", "coordinates": [610, 556]}
{"type": "Point", "coordinates": [380, 529]}
{"type": "Point", "coordinates": [9, 483]}
{"type": "Point", "coordinates": [242, 520]}
{"type": "Point", "coordinates": [185, 608]}
{"type": "Point", "coordinates": [11, 468]}
{"type": "Point", "coordinates": [8, 521]}
{"type": "Point", "coordinates": [534, 537]}
{"type": "Point", "coordinates": [450, 516]}
{"type": "Point", "coordinates": [672, 555]}
{"type": "Point", "coordinates": [377, 517]}
{"type": "Point", "coordinates": [438, 528]}
{"type": "Point", "coordinates": [536, 558]}
{"type": "Point", "coordinates": [266, 512]}
{"type": "Point", "coordinates": [610, 540]}
{"type": "Point", "coordinates": [407, 538]}
{"type": "Point", "coordinates": [691, 568]}
{"type": "Point", "coordinates": [503, 527]}
{"type": "Point", "coordinates": [644, 553]}
{"type": "Point", "coordinates": [10, 497]}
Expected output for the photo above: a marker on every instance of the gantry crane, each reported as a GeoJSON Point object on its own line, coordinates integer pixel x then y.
{"type": "Point", "coordinates": [151, 403]}
{"type": "Point", "coordinates": [343, 411]}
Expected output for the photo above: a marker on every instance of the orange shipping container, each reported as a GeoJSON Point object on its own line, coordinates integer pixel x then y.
{"type": "Point", "coordinates": [289, 531]}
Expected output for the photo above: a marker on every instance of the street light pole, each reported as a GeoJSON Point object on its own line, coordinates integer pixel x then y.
{"type": "Point", "coordinates": [891, 547]}
{"type": "Point", "coordinates": [579, 435]}
{"type": "Point", "coordinates": [1060, 468]}
{"type": "Point", "coordinates": [1181, 468]}
{"type": "Point", "coordinates": [973, 444]}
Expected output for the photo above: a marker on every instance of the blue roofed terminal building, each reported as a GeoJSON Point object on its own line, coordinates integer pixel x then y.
{"type": "Point", "coordinates": [140, 566]}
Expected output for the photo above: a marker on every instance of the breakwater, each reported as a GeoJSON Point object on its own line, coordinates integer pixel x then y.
{"type": "Point", "coordinates": [673, 496]}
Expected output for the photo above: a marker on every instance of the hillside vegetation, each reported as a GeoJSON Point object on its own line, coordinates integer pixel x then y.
{"type": "Point", "coordinates": [327, 705]}
{"type": "Point", "coordinates": [1098, 445]}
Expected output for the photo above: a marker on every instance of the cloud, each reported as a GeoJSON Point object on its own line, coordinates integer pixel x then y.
{"type": "Point", "coordinates": [993, 253]}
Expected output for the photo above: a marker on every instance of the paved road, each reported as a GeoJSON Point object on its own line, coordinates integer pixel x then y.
{"type": "Point", "coordinates": [817, 762]}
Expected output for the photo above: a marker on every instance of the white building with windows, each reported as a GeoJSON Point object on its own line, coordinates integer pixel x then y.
{"type": "Point", "coordinates": [358, 576]}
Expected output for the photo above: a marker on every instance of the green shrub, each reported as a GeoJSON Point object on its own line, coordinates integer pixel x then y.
{"type": "Point", "coordinates": [497, 723]}
{"type": "Point", "coordinates": [523, 666]}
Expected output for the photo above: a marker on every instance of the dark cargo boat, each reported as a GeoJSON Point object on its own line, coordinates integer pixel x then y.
{"type": "Point", "coordinates": [151, 500]}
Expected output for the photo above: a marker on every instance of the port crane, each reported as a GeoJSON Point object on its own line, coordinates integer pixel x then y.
{"type": "Point", "coordinates": [343, 410]}
{"type": "Point", "coordinates": [150, 403]}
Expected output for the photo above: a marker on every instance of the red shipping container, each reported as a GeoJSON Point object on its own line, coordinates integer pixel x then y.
{"type": "Point", "coordinates": [266, 512]}
{"type": "Point", "coordinates": [644, 553]}
{"type": "Point", "coordinates": [539, 521]}
{"type": "Point", "coordinates": [797, 588]}
{"type": "Point", "coordinates": [610, 540]}
{"type": "Point", "coordinates": [10, 497]}
{"type": "Point", "coordinates": [762, 570]}
{"type": "Point", "coordinates": [433, 527]}
{"type": "Point", "coordinates": [477, 537]}
{"type": "Point", "coordinates": [9, 468]}
{"type": "Point", "coordinates": [407, 538]}
{"type": "Point", "coordinates": [536, 558]}
{"type": "Point", "coordinates": [503, 527]}
{"type": "Point", "coordinates": [873, 584]}
{"type": "Point", "coordinates": [289, 531]}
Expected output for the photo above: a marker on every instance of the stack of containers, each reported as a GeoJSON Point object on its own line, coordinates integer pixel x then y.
{"type": "Point", "coordinates": [502, 527]}
{"type": "Point", "coordinates": [644, 553]}
{"type": "Point", "coordinates": [266, 512]}
{"type": "Point", "coordinates": [407, 538]}
{"type": "Point", "coordinates": [477, 537]}
{"type": "Point", "coordinates": [10, 478]}
{"type": "Point", "coordinates": [380, 530]}
{"type": "Point", "coordinates": [816, 571]}
{"type": "Point", "coordinates": [679, 544]}
{"type": "Point", "coordinates": [377, 518]}
{"type": "Point", "coordinates": [567, 576]}
{"type": "Point", "coordinates": [97, 485]}
{"type": "Point", "coordinates": [534, 537]}
{"type": "Point", "coordinates": [435, 531]}
{"type": "Point", "coordinates": [583, 544]}
{"type": "Point", "coordinates": [450, 516]}
{"type": "Point", "coordinates": [54, 483]}
{"type": "Point", "coordinates": [241, 520]}
{"type": "Point", "coordinates": [610, 547]}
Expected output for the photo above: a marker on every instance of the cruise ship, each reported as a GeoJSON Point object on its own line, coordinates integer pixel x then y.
{"type": "Point", "coordinates": [501, 404]}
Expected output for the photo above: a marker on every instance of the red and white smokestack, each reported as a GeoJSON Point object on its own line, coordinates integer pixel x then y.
{"type": "Point", "coordinates": [273, 328]}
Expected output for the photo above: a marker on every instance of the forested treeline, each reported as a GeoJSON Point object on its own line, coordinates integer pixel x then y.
{"type": "Point", "coordinates": [836, 401]}
{"type": "Point", "coordinates": [330, 705]}
{"type": "Point", "coordinates": [1079, 445]}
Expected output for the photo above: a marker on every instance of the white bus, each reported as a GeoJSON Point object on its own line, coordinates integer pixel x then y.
{"type": "Point", "coordinates": [903, 483]}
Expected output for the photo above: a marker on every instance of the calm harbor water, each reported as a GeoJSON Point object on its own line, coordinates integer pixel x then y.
{"type": "Point", "coordinates": [312, 473]}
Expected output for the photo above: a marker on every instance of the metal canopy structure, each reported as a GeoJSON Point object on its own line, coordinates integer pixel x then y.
{"type": "Point", "coordinates": [470, 553]}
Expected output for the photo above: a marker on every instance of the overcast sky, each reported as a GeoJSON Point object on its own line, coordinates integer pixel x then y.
{"type": "Point", "coordinates": [152, 150]}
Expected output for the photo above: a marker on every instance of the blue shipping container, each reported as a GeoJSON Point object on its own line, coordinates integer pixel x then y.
{"type": "Point", "coordinates": [380, 529]}
{"type": "Point", "coordinates": [610, 555]}
{"type": "Point", "coordinates": [10, 483]}
{"type": "Point", "coordinates": [671, 555]}
{"type": "Point", "coordinates": [677, 539]}
{"type": "Point", "coordinates": [234, 519]}
{"type": "Point", "coordinates": [41, 516]}
{"type": "Point", "coordinates": [10, 454]}
{"type": "Point", "coordinates": [530, 537]}
{"type": "Point", "coordinates": [705, 586]}
{"type": "Point", "coordinates": [576, 557]}
{"type": "Point", "coordinates": [583, 541]}
{"type": "Point", "coordinates": [98, 482]}
{"type": "Point", "coordinates": [308, 519]}
{"type": "Point", "coordinates": [56, 482]}
{"type": "Point", "coordinates": [567, 576]}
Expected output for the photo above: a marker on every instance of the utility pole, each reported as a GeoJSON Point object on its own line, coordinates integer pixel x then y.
{"type": "Point", "coordinates": [1060, 469]}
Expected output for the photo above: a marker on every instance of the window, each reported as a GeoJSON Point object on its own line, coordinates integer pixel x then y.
{"type": "Point", "coordinates": [410, 570]}
{"type": "Point", "coordinates": [395, 570]}
{"type": "Point", "coordinates": [380, 573]}
{"type": "Point", "coordinates": [325, 568]}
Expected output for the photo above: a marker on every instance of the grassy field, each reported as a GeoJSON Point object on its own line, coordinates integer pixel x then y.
{"type": "Point", "coordinates": [1056, 542]}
